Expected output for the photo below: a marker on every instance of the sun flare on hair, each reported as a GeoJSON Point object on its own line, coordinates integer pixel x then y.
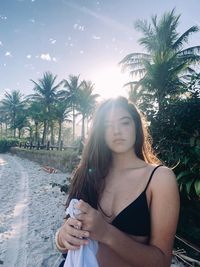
{"type": "Point", "coordinates": [109, 82]}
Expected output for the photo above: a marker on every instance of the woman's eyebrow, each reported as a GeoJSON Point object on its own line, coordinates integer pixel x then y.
{"type": "Point", "coordinates": [122, 118]}
{"type": "Point", "coordinates": [125, 117]}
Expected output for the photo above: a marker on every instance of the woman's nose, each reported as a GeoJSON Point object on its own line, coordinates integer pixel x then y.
{"type": "Point", "coordinates": [116, 129]}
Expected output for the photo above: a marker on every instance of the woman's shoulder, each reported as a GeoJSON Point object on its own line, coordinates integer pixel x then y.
{"type": "Point", "coordinates": [163, 178]}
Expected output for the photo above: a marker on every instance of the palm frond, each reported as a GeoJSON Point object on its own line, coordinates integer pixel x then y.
{"type": "Point", "coordinates": [184, 37]}
{"type": "Point", "coordinates": [190, 50]}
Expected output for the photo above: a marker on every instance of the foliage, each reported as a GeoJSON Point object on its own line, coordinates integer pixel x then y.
{"type": "Point", "coordinates": [188, 226]}
{"type": "Point", "coordinates": [46, 95]}
{"type": "Point", "coordinates": [176, 139]}
{"type": "Point", "coordinates": [64, 186]}
{"type": "Point", "coordinates": [66, 160]}
{"type": "Point", "coordinates": [72, 88]}
{"type": "Point", "coordinates": [13, 106]}
{"type": "Point", "coordinates": [189, 172]}
{"type": "Point", "coordinates": [161, 68]}
{"type": "Point", "coordinates": [6, 144]}
{"type": "Point", "coordinates": [86, 103]}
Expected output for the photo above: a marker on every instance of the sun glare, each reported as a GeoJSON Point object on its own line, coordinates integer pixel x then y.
{"type": "Point", "coordinates": [109, 82]}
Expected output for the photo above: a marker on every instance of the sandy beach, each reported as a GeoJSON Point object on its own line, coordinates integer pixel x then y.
{"type": "Point", "coordinates": [31, 211]}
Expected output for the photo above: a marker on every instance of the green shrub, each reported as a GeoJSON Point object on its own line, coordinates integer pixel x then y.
{"type": "Point", "coordinates": [6, 144]}
{"type": "Point", "coordinates": [66, 160]}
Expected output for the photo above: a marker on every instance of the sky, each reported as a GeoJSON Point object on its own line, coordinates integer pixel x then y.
{"type": "Point", "coordinates": [77, 37]}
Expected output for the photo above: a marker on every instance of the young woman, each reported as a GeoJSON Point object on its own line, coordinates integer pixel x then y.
{"type": "Point", "coordinates": [128, 202]}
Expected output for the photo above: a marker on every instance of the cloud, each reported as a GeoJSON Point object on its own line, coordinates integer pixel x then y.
{"type": "Point", "coordinates": [3, 17]}
{"type": "Point", "coordinates": [1, 44]}
{"type": "Point", "coordinates": [32, 20]}
{"type": "Point", "coordinates": [45, 57]}
{"type": "Point", "coordinates": [79, 27]}
{"type": "Point", "coordinates": [75, 26]}
{"type": "Point", "coordinates": [8, 54]}
{"type": "Point", "coordinates": [53, 41]}
{"type": "Point", "coordinates": [28, 56]}
{"type": "Point", "coordinates": [95, 37]}
{"type": "Point", "coordinates": [106, 20]}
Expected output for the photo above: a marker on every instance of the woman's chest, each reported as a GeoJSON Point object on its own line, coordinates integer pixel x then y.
{"type": "Point", "coordinates": [117, 196]}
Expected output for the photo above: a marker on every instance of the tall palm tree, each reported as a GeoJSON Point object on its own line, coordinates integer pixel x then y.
{"type": "Point", "coordinates": [72, 86]}
{"type": "Point", "coordinates": [36, 116]}
{"type": "Point", "coordinates": [62, 113]}
{"type": "Point", "coordinates": [86, 103]}
{"type": "Point", "coordinates": [46, 94]}
{"type": "Point", "coordinates": [166, 59]}
{"type": "Point", "coordinates": [4, 119]}
{"type": "Point", "coordinates": [13, 104]}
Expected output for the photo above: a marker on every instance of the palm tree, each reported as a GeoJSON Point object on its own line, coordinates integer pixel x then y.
{"type": "Point", "coordinates": [72, 86]}
{"type": "Point", "coordinates": [21, 121]}
{"type": "Point", "coordinates": [62, 113]}
{"type": "Point", "coordinates": [36, 115]}
{"type": "Point", "coordinates": [12, 105]}
{"type": "Point", "coordinates": [46, 94]}
{"type": "Point", "coordinates": [160, 69]}
{"type": "Point", "coordinates": [86, 103]}
{"type": "Point", "coordinates": [4, 119]}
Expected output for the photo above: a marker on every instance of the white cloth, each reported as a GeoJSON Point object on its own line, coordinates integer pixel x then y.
{"type": "Point", "coordinates": [86, 255]}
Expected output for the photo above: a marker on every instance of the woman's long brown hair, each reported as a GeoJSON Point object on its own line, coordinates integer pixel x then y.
{"type": "Point", "coordinates": [89, 178]}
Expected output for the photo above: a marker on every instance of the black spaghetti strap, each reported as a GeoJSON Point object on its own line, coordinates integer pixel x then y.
{"type": "Point", "coordinates": [151, 176]}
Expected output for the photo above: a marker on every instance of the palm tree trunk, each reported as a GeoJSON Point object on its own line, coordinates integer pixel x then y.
{"type": "Point", "coordinates": [74, 118]}
{"type": "Point", "coordinates": [83, 128]}
{"type": "Point", "coordinates": [1, 129]}
{"type": "Point", "coordinates": [36, 132]}
{"type": "Point", "coordinates": [6, 129]}
{"type": "Point", "coordinates": [59, 132]}
{"type": "Point", "coordinates": [31, 134]}
{"type": "Point", "coordinates": [44, 134]}
{"type": "Point", "coordinates": [52, 133]}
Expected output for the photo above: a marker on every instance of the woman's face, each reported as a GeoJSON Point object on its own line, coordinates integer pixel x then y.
{"type": "Point", "coordinates": [120, 131]}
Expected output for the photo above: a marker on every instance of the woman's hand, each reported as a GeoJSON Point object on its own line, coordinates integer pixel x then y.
{"type": "Point", "coordinates": [92, 221]}
{"type": "Point", "coordinates": [71, 236]}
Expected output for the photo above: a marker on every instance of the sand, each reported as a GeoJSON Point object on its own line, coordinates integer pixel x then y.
{"type": "Point", "coordinates": [31, 211]}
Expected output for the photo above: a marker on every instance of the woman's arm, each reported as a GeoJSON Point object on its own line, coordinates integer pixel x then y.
{"type": "Point", "coordinates": [164, 209]}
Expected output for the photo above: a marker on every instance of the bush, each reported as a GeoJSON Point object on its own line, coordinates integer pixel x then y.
{"type": "Point", "coordinates": [6, 144]}
{"type": "Point", "coordinates": [65, 161]}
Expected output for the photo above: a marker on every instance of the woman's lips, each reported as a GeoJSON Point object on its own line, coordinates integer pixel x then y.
{"type": "Point", "coordinates": [118, 140]}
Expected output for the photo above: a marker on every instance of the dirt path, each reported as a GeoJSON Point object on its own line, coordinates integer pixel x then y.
{"type": "Point", "coordinates": [30, 212]}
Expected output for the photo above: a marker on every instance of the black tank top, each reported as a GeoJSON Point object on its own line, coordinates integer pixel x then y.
{"type": "Point", "coordinates": [135, 218]}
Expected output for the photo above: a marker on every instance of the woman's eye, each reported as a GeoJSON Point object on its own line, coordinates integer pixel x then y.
{"type": "Point", "coordinates": [125, 122]}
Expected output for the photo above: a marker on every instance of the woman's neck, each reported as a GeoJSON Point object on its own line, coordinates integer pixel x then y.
{"type": "Point", "coordinates": [128, 160]}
